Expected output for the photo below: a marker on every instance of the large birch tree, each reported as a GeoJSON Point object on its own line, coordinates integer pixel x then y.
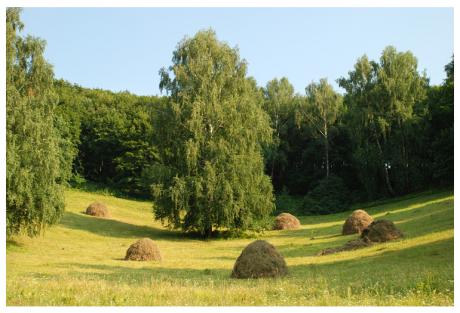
{"type": "Point", "coordinates": [210, 137]}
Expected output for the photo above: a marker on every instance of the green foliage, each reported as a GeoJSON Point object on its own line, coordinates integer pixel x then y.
{"type": "Point", "coordinates": [209, 137]}
{"type": "Point", "coordinates": [288, 203]}
{"type": "Point", "coordinates": [114, 134]}
{"type": "Point", "coordinates": [200, 150]}
{"type": "Point", "coordinates": [39, 154]}
{"type": "Point", "coordinates": [321, 109]}
{"type": "Point", "coordinates": [279, 104]}
{"type": "Point", "coordinates": [329, 196]}
{"type": "Point", "coordinates": [385, 106]}
{"type": "Point", "coordinates": [306, 125]}
{"type": "Point", "coordinates": [439, 131]}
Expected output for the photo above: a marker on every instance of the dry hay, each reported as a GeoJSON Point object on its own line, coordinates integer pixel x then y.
{"type": "Point", "coordinates": [286, 221]}
{"type": "Point", "coordinates": [381, 231]}
{"type": "Point", "coordinates": [356, 222]}
{"type": "Point", "coordinates": [350, 245]}
{"type": "Point", "coordinates": [377, 231]}
{"type": "Point", "coordinates": [259, 259]}
{"type": "Point", "coordinates": [143, 250]}
{"type": "Point", "coordinates": [98, 209]}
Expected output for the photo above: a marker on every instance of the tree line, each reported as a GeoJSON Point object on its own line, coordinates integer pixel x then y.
{"type": "Point", "coordinates": [216, 149]}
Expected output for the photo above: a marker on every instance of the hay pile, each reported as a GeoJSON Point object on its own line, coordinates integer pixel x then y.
{"type": "Point", "coordinates": [350, 245]}
{"type": "Point", "coordinates": [377, 231]}
{"type": "Point", "coordinates": [381, 231]}
{"type": "Point", "coordinates": [259, 259]}
{"type": "Point", "coordinates": [356, 222]}
{"type": "Point", "coordinates": [98, 209]}
{"type": "Point", "coordinates": [143, 250]}
{"type": "Point", "coordinates": [286, 221]}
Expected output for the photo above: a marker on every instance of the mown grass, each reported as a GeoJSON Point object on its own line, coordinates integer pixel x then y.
{"type": "Point", "coordinates": [80, 261]}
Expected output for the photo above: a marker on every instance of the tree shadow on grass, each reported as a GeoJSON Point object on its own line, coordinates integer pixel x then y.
{"type": "Point", "coordinates": [411, 226]}
{"type": "Point", "coordinates": [310, 248]}
{"type": "Point", "coordinates": [222, 258]}
{"type": "Point", "coordinates": [383, 267]}
{"type": "Point", "coordinates": [431, 221]}
{"type": "Point", "coordinates": [405, 219]}
{"type": "Point", "coordinates": [323, 232]}
{"type": "Point", "coordinates": [427, 266]}
{"type": "Point", "coordinates": [114, 228]}
{"type": "Point", "coordinates": [422, 255]}
{"type": "Point", "coordinates": [11, 243]}
{"type": "Point", "coordinates": [152, 271]}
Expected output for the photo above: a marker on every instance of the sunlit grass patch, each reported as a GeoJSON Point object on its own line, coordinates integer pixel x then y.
{"type": "Point", "coordinates": [80, 261]}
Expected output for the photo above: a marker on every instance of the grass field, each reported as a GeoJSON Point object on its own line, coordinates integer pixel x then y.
{"type": "Point", "coordinates": [80, 261]}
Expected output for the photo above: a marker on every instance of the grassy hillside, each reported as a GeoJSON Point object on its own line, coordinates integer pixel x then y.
{"type": "Point", "coordinates": [80, 261]}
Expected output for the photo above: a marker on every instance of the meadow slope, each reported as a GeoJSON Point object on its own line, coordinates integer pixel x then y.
{"type": "Point", "coordinates": [80, 261]}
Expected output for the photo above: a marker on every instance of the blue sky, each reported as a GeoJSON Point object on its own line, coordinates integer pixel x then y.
{"type": "Point", "coordinates": [123, 49]}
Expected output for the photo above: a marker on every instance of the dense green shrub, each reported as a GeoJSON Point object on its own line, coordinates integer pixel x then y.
{"type": "Point", "coordinates": [288, 203]}
{"type": "Point", "coordinates": [329, 196]}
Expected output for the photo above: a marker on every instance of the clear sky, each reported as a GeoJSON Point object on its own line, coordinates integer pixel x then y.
{"type": "Point", "coordinates": [123, 49]}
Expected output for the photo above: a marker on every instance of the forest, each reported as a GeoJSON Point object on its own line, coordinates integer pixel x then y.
{"type": "Point", "coordinates": [216, 150]}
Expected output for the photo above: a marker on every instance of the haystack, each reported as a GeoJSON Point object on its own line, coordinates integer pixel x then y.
{"type": "Point", "coordinates": [356, 222]}
{"type": "Point", "coordinates": [143, 250]}
{"type": "Point", "coordinates": [286, 221]}
{"type": "Point", "coordinates": [98, 209]}
{"type": "Point", "coordinates": [381, 231]}
{"type": "Point", "coordinates": [259, 259]}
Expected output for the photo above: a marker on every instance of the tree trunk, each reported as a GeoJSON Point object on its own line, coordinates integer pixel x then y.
{"type": "Point", "coordinates": [275, 153]}
{"type": "Point", "coordinates": [405, 158]}
{"type": "Point", "coordinates": [326, 147]}
{"type": "Point", "coordinates": [387, 180]}
{"type": "Point", "coordinates": [385, 170]}
{"type": "Point", "coordinates": [207, 231]}
{"type": "Point", "coordinates": [273, 169]}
